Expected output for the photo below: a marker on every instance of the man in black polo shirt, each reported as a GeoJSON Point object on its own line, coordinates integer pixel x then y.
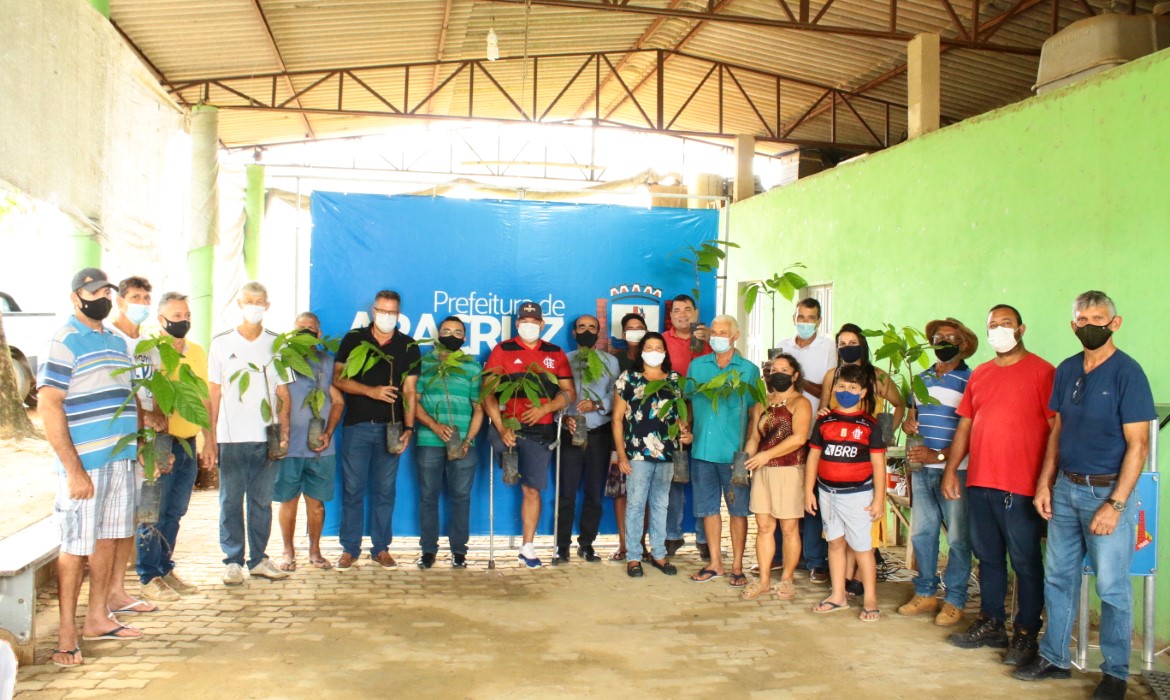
{"type": "Point", "coordinates": [380, 395]}
{"type": "Point", "coordinates": [526, 355]}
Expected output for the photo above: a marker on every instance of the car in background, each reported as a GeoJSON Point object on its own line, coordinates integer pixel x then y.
{"type": "Point", "coordinates": [28, 334]}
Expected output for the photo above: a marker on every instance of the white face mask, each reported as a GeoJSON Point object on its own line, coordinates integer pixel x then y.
{"type": "Point", "coordinates": [253, 313]}
{"type": "Point", "coordinates": [385, 322]}
{"type": "Point", "coordinates": [1002, 339]}
{"type": "Point", "coordinates": [528, 331]}
{"type": "Point", "coordinates": [634, 337]}
{"type": "Point", "coordinates": [653, 359]}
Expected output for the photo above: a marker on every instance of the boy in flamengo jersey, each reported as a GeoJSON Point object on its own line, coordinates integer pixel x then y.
{"type": "Point", "coordinates": [846, 459]}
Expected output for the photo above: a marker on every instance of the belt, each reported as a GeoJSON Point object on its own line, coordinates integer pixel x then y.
{"type": "Point", "coordinates": [1090, 479]}
{"type": "Point", "coordinates": [867, 485]}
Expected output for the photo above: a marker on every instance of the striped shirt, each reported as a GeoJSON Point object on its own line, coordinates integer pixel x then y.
{"type": "Point", "coordinates": [937, 422]}
{"type": "Point", "coordinates": [463, 386]}
{"type": "Point", "coordinates": [84, 364]}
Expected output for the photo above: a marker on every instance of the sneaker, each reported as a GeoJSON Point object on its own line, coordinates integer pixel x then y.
{"type": "Point", "coordinates": [1022, 650]}
{"type": "Point", "coordinates": [157, 589]}
{"type": "Point", "coordinates": [265, 569]}
{"type": "Point", "coordinates": [919, 604]}
{"type": "Point", "coordinates": [586, 552]}
{"type": "Point", "coordinates": [1110, 688]}
{"type": "Point", "coordinates": [672, 547]}
{"type": "Point", "coordinates": [459, 561]}
{"type": "Point", "coordinates": [233, 575]}
{"type": "Point", "coordinates": [179, 585]}
{"type": "Point", "coordinates": [949, 616]}
{"type": "Point", "coordinates": [983, 632]}
{"type": "Point", "coordinates": [426, 561]}
{"type": "Point", "coordinates": [386, 560]}
{"type": "Point", "coordinates": [561, 557]}
{"type": "Point", "coordinates": [1041, 669]}
{"type": "Point", "coordinates": [854, 587]}
{"type": "Point", "coordinates": [345, 562]}
{"type": "Point", "coordinates": [818, 575]}
{"type": "Point", "coordinates": [528, 558]}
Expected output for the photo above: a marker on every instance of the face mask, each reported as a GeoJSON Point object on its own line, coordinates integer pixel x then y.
{"type": "Point", "coordinates": [137, 313]}
{"type": "Point", "coordinates": [451, 342]}
{"type": "Point", "coordinates": [634, 337]}
{"type": "Point", "coordinates": [806, 330]}
{"type": "Point", "coordinates": [1093, 337]}
{"type": "Point", "coordinates": [947, 352]}
{"type": "Point", "coordinates": [1002, 339]}
{"type": "Point", "coordinates": [780, 382]}
{"type": "Point", "coordinates": [849, 353]}
{"type": "Point", "coordinates": [385, 322]}
{"type": "Point", "coordinates": [96, 309]}
{"type": "Point", "coordinates": [847, 399]}
{"type": "Point", "coordinates": [587, 339]}
{"type": "Point", "coordinates": [307, 331]}
{"type": "Point", "coordinates": [720, 344]}
{"type": "Point", "coordinates": [176, 329]}
{"type": "Point", "coordinates": [253, 313]}
{"type": "Point", "coordinates": [528, 331]}
{"type": "Point", "coordinates": [653, 359]}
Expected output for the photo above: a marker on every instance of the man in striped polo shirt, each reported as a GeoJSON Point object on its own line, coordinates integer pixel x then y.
{"type": "Point", "coordinates": [82, 384]}
{"type": "Point", "coordinates": [946, 382]}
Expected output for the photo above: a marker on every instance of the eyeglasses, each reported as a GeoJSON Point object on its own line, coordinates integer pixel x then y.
{"type": "Point", "coordinates": [952, 338]}
{"type": "Point", "coordinates": [445, 333]}
{"type": "Point", "coordinates": [1078, 391]}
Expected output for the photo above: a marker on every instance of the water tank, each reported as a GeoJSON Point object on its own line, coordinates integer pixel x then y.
{"type": "Point", "coordinates": [1096, 44]}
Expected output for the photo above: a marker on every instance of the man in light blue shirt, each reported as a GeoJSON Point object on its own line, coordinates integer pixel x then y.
{"type": "Point", "coordinates": [719, 433]}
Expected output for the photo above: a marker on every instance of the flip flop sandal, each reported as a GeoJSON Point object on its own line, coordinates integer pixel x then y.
{"type": "Point", "coordinates": [136, 608]}
{"type": "Point", "coordinates": [71, 653]}
{"type": "Point", "coordinates": [619, 555]}
{"type": "Point", "coordinates": [706, 575]}
{"type": "Point", "coordinates": [288, 565]}
{"type": "Point", "coordinates": [870, 615]}
{"type": "Point", "coordinates": [820, 608]}
{"type": "Point", "coordinates": [112, 635]}
{"type": "Point", "coordinates": [737, 581]}
{"type": "Point", "coordinates": [322, 563]}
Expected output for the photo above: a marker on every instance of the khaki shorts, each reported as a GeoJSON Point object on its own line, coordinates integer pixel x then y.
{"type": "Point", "coordinates": [779, 492]}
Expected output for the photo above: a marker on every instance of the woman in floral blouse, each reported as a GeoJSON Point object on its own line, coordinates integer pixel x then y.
{"type": "Point", "coordinates": [645, 448]}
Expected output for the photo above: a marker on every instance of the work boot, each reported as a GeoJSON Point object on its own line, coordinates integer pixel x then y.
{"type": "Point", "coordinates": [1110, 688]}
{"type": "Point", "coordinates": [1022, 650]}
{"type": "Point", "coordinates": [983, 632]}
{"type": "Point", "coordinates": [949, 616]}
{"type": "Point", "coordinates": [919, 604]}
{"type": "Point", "coordinates": [1040, 669]}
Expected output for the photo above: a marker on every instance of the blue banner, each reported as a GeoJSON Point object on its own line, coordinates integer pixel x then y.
{"type": "Point", "coordinates": [479, 260]}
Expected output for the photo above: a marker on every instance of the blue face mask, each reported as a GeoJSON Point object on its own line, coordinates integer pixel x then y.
{"type": "Point", "coordinates": [137, 313]}
{"type": "Point", "coordinates": [847, 399]}
{"type": "Point", "coordinates": [806, 330]}
{"type": "Point", "coordinates": [720, 344]}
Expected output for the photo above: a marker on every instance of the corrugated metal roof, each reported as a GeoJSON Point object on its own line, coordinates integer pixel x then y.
{"type": "Point", "coordinates": [190, 44]}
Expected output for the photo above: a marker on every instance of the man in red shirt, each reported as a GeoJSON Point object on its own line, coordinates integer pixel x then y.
{"type": "Point", "coordinates": [1004, 422]}
{"type": "Point", "coordinates": [528, 358]}
{"type": "Point", "coordinates": [678, 346]}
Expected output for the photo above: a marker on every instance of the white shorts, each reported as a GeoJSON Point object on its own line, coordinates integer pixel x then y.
{"type": "Point", "coordinates": [109, 515]}
{"type": "Point", "coordinates": [844, 515]}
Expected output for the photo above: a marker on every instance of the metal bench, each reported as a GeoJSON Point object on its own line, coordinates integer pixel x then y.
{"type": "Point", "coordinates": [21, 555]}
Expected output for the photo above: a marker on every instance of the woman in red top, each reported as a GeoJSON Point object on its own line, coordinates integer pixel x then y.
{"type": "Point", "coordinates": [777, 448]}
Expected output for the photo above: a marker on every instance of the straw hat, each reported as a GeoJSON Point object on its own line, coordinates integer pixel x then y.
{"type": "Point", "coordinates": [967, 333]}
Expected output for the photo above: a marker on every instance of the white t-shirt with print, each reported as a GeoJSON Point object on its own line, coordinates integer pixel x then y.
{"type": "Point", "coordinates": [240, 419]}
{"type": "Point", "coordinates": [144, 364]}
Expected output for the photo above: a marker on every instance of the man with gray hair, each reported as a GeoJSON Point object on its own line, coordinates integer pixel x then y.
{"type": "Point", "coordinates": [718, 432]}
{"type": "Point", "coordinates": [1095, 454]}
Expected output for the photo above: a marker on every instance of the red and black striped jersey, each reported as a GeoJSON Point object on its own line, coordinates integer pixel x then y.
{"type": "Point", "coordinates": [846, 441]}
{"type": "Point", "coordinates": [512, 359]}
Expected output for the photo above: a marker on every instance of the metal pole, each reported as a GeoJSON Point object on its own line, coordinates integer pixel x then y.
{"type": "Point", "coordinates": [557, 486]}
{"type": "Point", "coordinates": [491, 507]}
{"type": "Point", "coordinates": [1083, 624]}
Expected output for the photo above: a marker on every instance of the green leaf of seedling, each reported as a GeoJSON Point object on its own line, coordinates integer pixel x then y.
{"type": "Point", "coordinates": [244, 383]}
{"type": "Point", "coordinates": [190, 407]}
{"type": "Point", "coordinates": [124, 442]}
{"type": "Point", "coordinates": [266, 411]}
{"type": "Point", "coordinates": [749, 297]}
{"type": "Point", "coordinates": [252, 366]}
{"type": "Point", "coordinates": [164, 391]}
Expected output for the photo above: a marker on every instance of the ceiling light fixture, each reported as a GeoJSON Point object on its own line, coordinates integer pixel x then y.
{"type": "Point", "coordinates": [493, 45]}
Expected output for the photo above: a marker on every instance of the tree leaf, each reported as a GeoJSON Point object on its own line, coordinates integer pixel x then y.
{"type": "Point", "coordinates": [163, 390]}
{"type": "Point", "coordinates": [189, 405]}
{"type": "Point", "coordinates": [266, 411]}
{"type": "Point", "coordinates": [749, 297]}
{"type": "Point", "coordinates": [245, 382]}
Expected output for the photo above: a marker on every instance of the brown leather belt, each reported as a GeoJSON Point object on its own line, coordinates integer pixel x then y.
{"type": "Point", "coordinates": [1090, 479]}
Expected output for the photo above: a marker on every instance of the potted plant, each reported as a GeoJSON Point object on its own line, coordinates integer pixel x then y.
{"type": "Point", "coordinates": [786, 284]}
{"type": "Point", "coordinates": [176, 389]}
{"type": "Point", "coordinates": [529, 384]}
{"type": "Point", "coordinates": [902, 350]}
{"type": "Point", "coordinates": [455, 363]}
{"type": "Point", "coordinates": [315, 399]}
{"type": "Point", "coordinates": [704, 258]}
{"type": "Point", "coordinates": [290, 353]}
{"type": "Point", "coordinates": [722, 387]}
{"type": "Point", "coordinates": [677, 399]}
{"type": "Point", "coordinates": [360, 361]}
{"type": "Point", "coordinates": [590, 368]}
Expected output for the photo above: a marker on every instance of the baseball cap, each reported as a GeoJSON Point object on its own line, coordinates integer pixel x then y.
{"type": "Point", "coordinates": [91, 280]}
{"type": "Point", "coordinates": [529, 310]}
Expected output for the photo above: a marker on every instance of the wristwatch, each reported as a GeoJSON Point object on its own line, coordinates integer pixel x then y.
{"type": "Point", "coordinates": [1118, 506]}
{"type": "Point", "coordinates": [942, 457]}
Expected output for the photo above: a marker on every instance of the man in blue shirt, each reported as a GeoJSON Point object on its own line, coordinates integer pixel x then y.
{"type": "Point", "coordinates": [936, 423]}
{"type": "Point", "coordinates": [719, 432]}
{"type": "Point", "coordinates": [1095, 454]}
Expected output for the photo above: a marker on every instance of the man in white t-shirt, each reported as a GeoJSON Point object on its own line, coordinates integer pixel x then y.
{"type": "Point", "coordinates": [817, 354]}
{"type": "Point", "coordinates": [245, 472]}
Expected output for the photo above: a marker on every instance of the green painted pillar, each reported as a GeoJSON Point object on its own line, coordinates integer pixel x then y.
{"type": "Point", "coordinates": [102, 6]}
{"type": "Point", "coordinates": [253, 216]}
{"type": "Point", "coordinates": [203, 220]}
{"type": "Point", "coordinates": [87, 251]}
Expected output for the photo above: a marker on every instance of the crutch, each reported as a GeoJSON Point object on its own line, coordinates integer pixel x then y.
{"type": "Point", "coordinates": [491, 507]}
{"type": "Point", "coordinates": [557, 484]}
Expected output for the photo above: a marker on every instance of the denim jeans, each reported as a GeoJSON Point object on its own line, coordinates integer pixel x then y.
{"type": "Point", "coordinates": [648, 485]}
{"type": "Point", "coordinates": [1006, 524]}
{"type": "Point", "coordinates": [155, 548]}
{"type": "Point", "coordinates": [932, 511]}
{"type": "Point", "coordinates": [432, 465]}
{"type": "Point", "coordinates": [1069, 539]}
{"type": "Point", "coordinates": [583, 468]}
{"type": "Point", "coordinates": [245, 473]}
{"type": "Point", "coordinates": [366, 466]}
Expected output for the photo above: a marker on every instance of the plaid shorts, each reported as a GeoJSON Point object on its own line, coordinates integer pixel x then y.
{"type": "Point", "coordinates": [109, 515]}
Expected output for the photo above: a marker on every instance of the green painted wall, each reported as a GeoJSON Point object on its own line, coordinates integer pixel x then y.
{"type": "Point", "coordinates": [1029, 205]}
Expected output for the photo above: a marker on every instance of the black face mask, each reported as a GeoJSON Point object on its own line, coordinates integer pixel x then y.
{"type": "Point", "coordinates": [96, 309]}
{"type": "Point", "coordinates": [307, 331]}
{"type": "Point", "coordinates": [946, 352]}
{"type": "Point", "coordinates": [451, 342]}
{"type": "Point", "coordinates": [1093, 337]}
{"type": "Point", "coordinates": [849, 353]}
{"type": "Point", "coordinates": [586, 339]}
{"type": "Point", "coordinates": [779, 382]}
{"type": "Point", "coordinates": [176, 329]}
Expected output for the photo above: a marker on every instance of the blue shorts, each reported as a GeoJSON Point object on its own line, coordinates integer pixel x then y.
{"type": "Point", "coordinates": [709, 481]}
{"type": "Point", "coordinates": [312, 476]}
{"type": "Point", "coordinates": [535, 457]}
